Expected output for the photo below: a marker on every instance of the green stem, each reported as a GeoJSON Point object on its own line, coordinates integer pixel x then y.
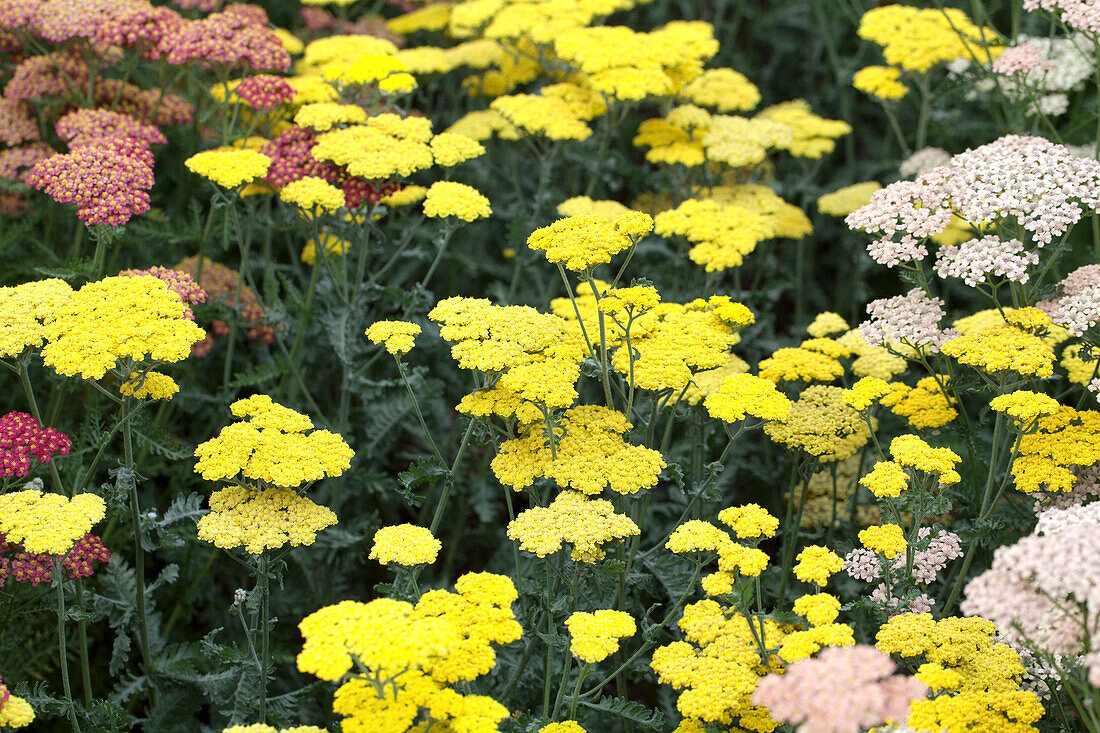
{"type": "Point", "coordinates": [139, 553]}
{"type": "Point", "coordinates": [82, 633]}
{"type": "Point", "coordinates": [577, 691]}
{"type": "Point", "coordinates": [62, 647]}
{"type": "Point", "coordinates": [265, 633]}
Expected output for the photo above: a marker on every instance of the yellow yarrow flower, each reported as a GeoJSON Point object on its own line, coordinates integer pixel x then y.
{"type": "Point", "coordinates": [406, 196]}
{"type": "Point", "coordinates": [262, 520]}
{"type": "Point", "coordinates": [1024, 406]}
{"type": "Point", "coordinates": [313, 194]}
{"type": "Point", "coordinates": [866, 392]}
{"type": "Point", "coordinates": [323, 116]}
{"type": "Point", "coordinates": [405, 544]}
{"type": "Point", "coordinates": [447, 198]}
{"type": "Point", "coordinates": [827, 324]}
{"type": "Point", "coordinates": [750, 521]}
{"type": "Point", "coordinates": [24, 311]}
{"type": "Point", "coordinates": [800, 365]}
{"type": "Point", "coordinates": [816, 563]}
{"type": "Point", "coordinates": [47, 523]}
{"type": "Point", "coordinates": [584, 241]}
{"type": "Point", "coordinates": [229, 167]}
{"type": "Point", "coordinates": [882, 82]}
{"type": "Point", "coordinates": [566, 726]}
{"type": "Point", "coordinates": [15, 712]}
{"type": "Point", "coordinates": [150, 386]}
{"type": "Point", "coordinates": [586, 524]}
{"type": "Point", "coordinates": [118, 318]}
{"type": "Point", "coordinates": [397, 336]}
{"type": "Point", "coordinates": [912, 452]}
{"type": "Point", "coordinates": [818, 608]}
{"type": "Point", "coordinates": [271, 445]}
{"type": "Point", "coordinates": [886, 539]}
{"type": "Point", "coordinates": [743, 395]}
{"type": "Point", "coordinates": [886, 480]}
{"type": "Point", "coordinates": [451, 148]}
{"type": "Point", "coordinates": [595, 636]}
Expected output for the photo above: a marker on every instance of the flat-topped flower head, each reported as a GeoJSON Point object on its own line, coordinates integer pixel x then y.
{"type": "Point", "coordinates": [750, 521]}
{"type": "Point", "coordinates": [595, 636]}
{"type": "Point", "coordinates": [23, 438]}
{"type": "Point", "coordinates": [15, 712]}
{"type": "Point", "coordinates": [107, 179]}
{"type": "Point", "coordinates": [264, 91]}
{"type": "Point", "coordinates": [229, 167]}
{"type": "Point", "coordinates": [405, 544]}
{"type": "Point", "coordinates": [744, 395]}
{"type": "Point", "coordinates": [447, 198]}
{"type": "Point", "coordinates": [274, 445]}
{"type": "Point", "coordinates": [24, 311]}
{"type": "Point", "coordinates": [312, 194]}
{"type": "Point", "coordinates": [887, 540]}
{"type": "Point", "coordinates": [816, 564]}
{"type": "Point", "coordinates": [262, 520]}
{"type": "Point", "coordinates": [118, 318]}
{"type": "Point", "coordinates": [571, 518]}
{"type": "Point", "coordinates": [48, 523]}
{"type": "Point", "coordinates": [397, 336]}
{"type": "Point", "coordinates": [912, 452]}
{"type": "Point", "coordinates": [581, 242]}
{"type": "Point", "coordinates": [1024, 406]}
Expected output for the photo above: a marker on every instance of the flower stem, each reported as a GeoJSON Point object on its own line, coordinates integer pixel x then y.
{"type": "Point", "coordinates": [59, 580]}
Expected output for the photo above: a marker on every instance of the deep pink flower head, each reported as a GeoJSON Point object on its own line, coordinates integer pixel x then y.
{"type": "Point", "coordinates": [228, 39]}
{"type": "Point", "coordinates": [265, 91]}
{"type": "Point", "coordinates": [86, 553]}
{"type": "Point", "coordinates": [21, 437]}
{"type": "Point", "coordinates": [178, 282]}
{"type": "Point", "coordinates": [842, 690]}
{"type": "Point", "coordinates": [85, 126]}
{"type": "Point", "coordinates": [16, 124]}
{"type": "Point", "coordinates": [108, 181]}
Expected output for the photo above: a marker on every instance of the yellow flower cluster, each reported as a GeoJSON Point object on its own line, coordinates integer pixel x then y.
{"type": "Point", "coordinates": [845, 200]}
{"type": "Point", "coordinates": [1003, 348]}
{"type": "Point", "coordinates": [447, 198]}
{"type": "Point", "coordinates": [534, 114]}
{"type": "Point", "coordinates": [976, 679]}
{"type": "Point", "coordinates": [262, 520]}
{"type": "Point", "coordinates": [313, 194]}
{"type": "Point", "coordinates": [880, 81]}
{"type": "Point", "coordinates": [229, 167]}
{"type": "Point", "coordinates": [134, 318]}
{"type": "Point", "coordinates": [822, 424]}
{"type": "Point", "coordinates": [924, 406]}
{"type": "Point", "coordinates": [397, 336]}
{"type": "Point", "coordinates": [584, 241]}
{"type": "Point", "coordinates": [1024, 406]}
{"type": "Point", "coordinates": [333, 245]}
{"type": "Point", "coordinates": [385, 146]}
{"type": "Point", "coordinates": [918, 39]}
{"type": "Point", "coordinates": [15, 712]}
{"type": "Point", "coordinates": [595, 636]}
{"type": "Point", "coordinates": [750, 522]}
{"type": "Point", "coordinates": [800, 365]}
{"type": "Point", "coordinates": [866, 392]}
{"type": "Point", "coordinates": [718, 664]}
{"type": "Point", "coordinates": [405, 544]}
{"type": "Point", "coordinates": [722, 89]}
{"type": "Point", "coordinates": [265, 728]}
{"type": "Point", "coordinates": [705, 382]}
{"type": "Point", "coordinates": [271, 445]}
{"type": "Point", "coordinates": [586, 524]}
{"type": "Point", "coordinates": [827, 324]}
{"type": "Point", "coordinates": [743, 395]}
{"type": "Point", "coordinates": [886, 539]}
{"type": "Point", "coordinates": [912, 452]}
{"type": "Point", "coordinates": [48, 523]}
{"type": "Point", "coordinates": [589, 456]}
{"type": "Point", "coordinates": [24, 311]}
{"type": "Point", "coordinates": [1065, 439]}
{"type": "Point", "coordinates": [568, 726]}
{"type": "Point", "coordinates": [805, 643]}
{"type": "Point", "coordinates": [407, 196]}
{"type": "Point", "coordinates": [816, 564]}
{"type": "Point", "coordinates": [886, 480]}
{"type": "Point", "coordinates": [323, 116]}
{"type": "Point", "coordinates": [388, 72]}
{"type": "Point", "coordinates": [150, 386]}
{"type": "Point", "coordinates": [818, 608]}
{"type": "Point", "coordinates": [417, 651]}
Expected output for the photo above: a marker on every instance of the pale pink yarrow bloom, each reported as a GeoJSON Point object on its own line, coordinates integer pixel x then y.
{"type": "Point", "coordinates": [911, 320]}
{"type": "Point", "coordinates": [1020, 59]}
{"type": "Point", "coordinates": [842, 690]}
{"type": "Point", "coordinates": [1078, 307]}
{"type": "Point", "coordinates": [975, 260]}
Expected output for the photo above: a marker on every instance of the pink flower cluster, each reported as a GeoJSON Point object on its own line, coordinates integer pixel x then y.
{"type": "Point", "coordinates": [178, 282]}
{"type": "Point", "coordinates": [1078, 307]}
{"type": "Point", "coordinates": [16, 124]}
{"type": "Point", "coordinates": [22, 437]}
{"type": "Point", "coordinates": [265, 91]}
{"type": "Point", "coordinates": [931, 554]}
{"type": "Point", "coordinates": [53, 75]}
{"type": "Point", "coordinates": [842, 690]}
{"type": "Point", "coordinates": [1021, 59]}
{"type": "Point", "coordinates": [107, 180]}
{"type": "Point", "coordinates": [87, 126]}
{"type": "Point", "coordinates": [124, 23]}
{"type": "Point", "coordinates": [975, 260]}
{"type": "Point", "coordinates": [1045, 588]}
{"type": "Point", "coordinates": [229, 39]}
{"type": "Point", "coordinates": [29, 567]}
{"type": "Point", "coordinates": [292, 159]}
{"type": "Point", "coordinates": [912, 319]}
{"type": "Point", "coordinates": [1084, 15]}
{"type": "Point", "coordinates": [1040, 184]}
